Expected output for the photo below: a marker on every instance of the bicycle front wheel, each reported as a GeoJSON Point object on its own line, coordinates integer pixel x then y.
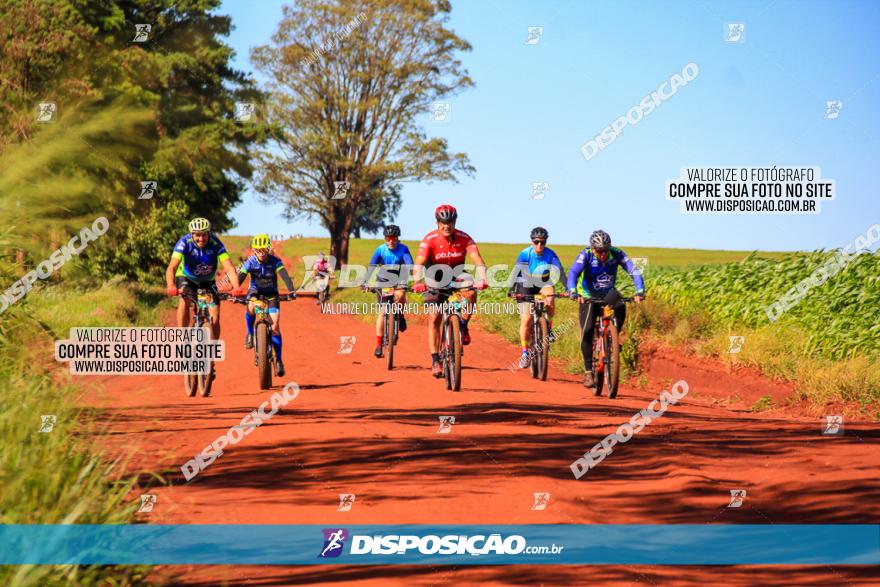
{"type": "Point", "coordinates": [542, 352]}
{"type": "Point", "coordinates": [453, 355]}
{"type": "Point", "coordinates": [612, 360]}
{"type": "Point", "coordinates": [390, 336]}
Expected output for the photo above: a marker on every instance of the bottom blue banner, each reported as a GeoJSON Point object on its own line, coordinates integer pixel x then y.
{"type": "Point", "coordinates": [681, 544]}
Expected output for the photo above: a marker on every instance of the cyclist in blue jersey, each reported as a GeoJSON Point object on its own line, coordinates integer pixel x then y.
{"type": "Point", "coordinates": [596, 268]}
{"type": "Point", "coordinates": [264, 270]}
{"type": "Point", "coordinates": [537, 270]}
{"type": "Point", "coordinates": [395, 261]}
{"type": "Point", "coordinates": [193, 266]}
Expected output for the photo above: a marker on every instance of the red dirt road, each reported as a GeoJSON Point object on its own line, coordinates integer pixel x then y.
{"type": "Point", "coordinates": [358, 428]}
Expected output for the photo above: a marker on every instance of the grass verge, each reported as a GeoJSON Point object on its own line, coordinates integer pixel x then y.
{"type": "Point", "coordinates": [60, 476]}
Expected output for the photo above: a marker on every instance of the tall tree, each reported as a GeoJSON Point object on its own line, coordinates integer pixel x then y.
{"type": "Point", "coordinates": [69, 50]}
{"type": "Point", "coordinates": [349, 80]}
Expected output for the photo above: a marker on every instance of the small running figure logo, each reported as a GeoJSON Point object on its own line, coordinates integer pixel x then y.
{"type": "Point", "coordinates": [46, 111]}
{"type": "Point", "coordinates": [334, 541]}
{"type": "Point", "coordinates": [541, 501]}
{"type": "Point", "coordinates": [735, 344]}
{"type": "Point", "coordinates": [244, 111]}
{"type": "Point", "coordinates": [340, 189]}
{"type": "Point", "coordinates": [446, 423]}
{"type": "Point", "coordinates": [832, 109]}
{"type": "Point", "coordinates": [540, 189]}
{"type": "Point", "coordinates": [833, 426]}
{"type": "Point", "coordinates": [141, 33]}
{"type": "Point", "coordinates": [440, 111]}
{"type": "Point", "coordinates": [346, 500]}
{"type": "Point", "coordinates": [148, 500]}
{"type": "Point", "coordinates": [534, 35]}
{"type": "Point", "coordinates": [148, 190]}
{"type": "Point", "coordinates": [47, 423]}
{"type": "Point", "coordinates": [736, 498]}
{"type": "Point", "coordinates": [346, 344]}
{"type": "Point", "coordinates": [735, 32]}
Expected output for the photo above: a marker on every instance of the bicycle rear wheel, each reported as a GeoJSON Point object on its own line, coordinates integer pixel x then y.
{"type": "Point", "coordinates": [452, 353]}
{"type": "Point", "coordinates": [612, 372]}
{"type": "Point", "coordinates": [191, 384]}
{"type": "Point", "coordinates": [264, 367]}
{"type": "Point", "coordinates": [389, 338]}
{"type": "Point", "coordinates": [598, 362]}
{"type": "Point", "coordinates": [542, 353]}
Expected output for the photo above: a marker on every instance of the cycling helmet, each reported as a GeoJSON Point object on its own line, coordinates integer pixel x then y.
{"type": "Point", "coordinates": [446, 213]}
{"type": "Point", "coordinates": [199, 225]}
{"type": "Point", "coordinates": [392, 230]}
{"type": "Point", "coordinates": [539, 232]}
{"type": "Point", "coordinates": [600, 240]}
{"type": "Point", "coordinates": [261, 241]}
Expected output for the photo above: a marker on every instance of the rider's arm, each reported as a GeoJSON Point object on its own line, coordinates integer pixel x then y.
{"type": "Point", "coordinates": [374, 260]}
{"type": "Point", "coordinates": [230, 270]}
{"type": "Point", "coordinates": [282, 273]}
{"type": "Point", "coordinates": [172, 270]}
{"type": "Point", "coordinates": [634, 273]}
{"type": "Point", "coordinates": [575, 272]}
{"type": "Point", "coordinates": [520, 270]}
{"type": "Point", "coordinates": [475, 256]}
{"type": "Point", "coordinates": [555, 262]}
{"type": "Point", "coordinates": [418, 268]}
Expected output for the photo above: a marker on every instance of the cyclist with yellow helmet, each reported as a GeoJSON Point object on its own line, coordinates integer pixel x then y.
{"type": "Point", "coordinates": [193, 266]}
{"type": "Point", "coordinates": [264, 270]}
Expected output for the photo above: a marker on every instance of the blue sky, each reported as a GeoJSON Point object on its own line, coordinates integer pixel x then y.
{"type": "Point", "coordinates": [758, 103]}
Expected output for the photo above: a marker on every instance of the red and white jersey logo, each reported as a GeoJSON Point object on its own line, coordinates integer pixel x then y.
{"type": "Point", "coordinates": [436, 249]}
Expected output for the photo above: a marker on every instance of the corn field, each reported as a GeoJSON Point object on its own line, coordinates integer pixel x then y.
{"type": "Point", "coordinates": [841, 317]}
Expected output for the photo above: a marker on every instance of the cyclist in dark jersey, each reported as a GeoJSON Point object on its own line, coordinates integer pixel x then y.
{"type": "Point", "coordinates": [394, 259]}
{"type": "Point", "coordinates": [596, 268]}
{"type": "Point", "coordinates": [264, 270]}
{"type": "Point", "coordinates": [193, 266]}
{"type": "Point", "coordinates": [446, 249]}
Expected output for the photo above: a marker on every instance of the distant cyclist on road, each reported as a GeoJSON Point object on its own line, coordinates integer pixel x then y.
{"type": "Point", "coordinates": [395, 260]}
{"type": "Point", "coordinates": [264, 270]}
{"type": "Point", "coordinates": [193, 266]}
{"type": "Point", "coordinates": [321, 273]}
{"type": "Point", "coordinates": [535, 266]}
{"type": "Point", "coordinates": [446, 248]}
{"type": "Point", "coordinates": [596, 268]}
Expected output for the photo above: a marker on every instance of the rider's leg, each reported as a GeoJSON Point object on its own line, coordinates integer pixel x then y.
{"type": "Point", "coordinates": [525, 325]}
{"type": "Point", "coordinates": [276, 332]}
{"type": "Point", "coordinates": [433, 332]}
{"type": "Point", "coordinates": [249, 318]}
{"type": "Point", "coordinates": [215, 316]}
{"type": "Point", "coordinates": [400, 298]}
{"type": "Point", "coordinates": [184, 309]}
{"type": "Point", "coordinates": [586, 315]}
{"type": "Point", "coordinates": [549, 303]}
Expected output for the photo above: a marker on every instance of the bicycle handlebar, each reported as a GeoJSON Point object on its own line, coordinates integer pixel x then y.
{"type": "Point", "coordinates": [288, 297]}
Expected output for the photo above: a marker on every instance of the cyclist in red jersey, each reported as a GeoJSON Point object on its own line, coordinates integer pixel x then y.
{"type": "Point", "coordinates": [441, 255]}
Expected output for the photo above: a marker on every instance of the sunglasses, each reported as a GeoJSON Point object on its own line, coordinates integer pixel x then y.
{"type": "Point", "coordinates": [539, 242]}
{"type": "Point", "coordinates": [200, 234]}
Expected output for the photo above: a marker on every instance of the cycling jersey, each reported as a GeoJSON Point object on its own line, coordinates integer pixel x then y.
{"type": "Point", "coordinates": [264, 276]}
{"type": "Point", "coordinates": [437, 250]}
{"type": "Point", "coordinates": [198, 264]}
{"type": "Point", "coordinates": [535, 269]}
{"type": "Point", "coordinates": [391, 260]}
{"type": "Point", "coordinates": [598, 278]}
{"type": "Point", "coordinates": [322, 266]}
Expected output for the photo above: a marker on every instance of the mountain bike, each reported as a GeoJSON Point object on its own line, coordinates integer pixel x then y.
{"type": "Point", "coordinates": [323, 293]}
{"type": "Point", "coordinates": [539, 351]}
{"type": "Point", "coordinates": [202, 304]}
{"type": "Point", "coordinates": [264, 355]}
{"type": "Point", "coordinates": [451, 349]}
{"type": "Point", "coordinates": [391, 327]}
{"type": "Point", "coordinates": [606, 342]}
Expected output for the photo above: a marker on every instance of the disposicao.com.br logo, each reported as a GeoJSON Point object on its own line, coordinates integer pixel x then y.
{"type": "Point", "coordinates": [453, 544]}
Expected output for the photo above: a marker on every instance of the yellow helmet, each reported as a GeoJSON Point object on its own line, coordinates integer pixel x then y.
{"type": "Point", "coordinates": [261, 241]}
